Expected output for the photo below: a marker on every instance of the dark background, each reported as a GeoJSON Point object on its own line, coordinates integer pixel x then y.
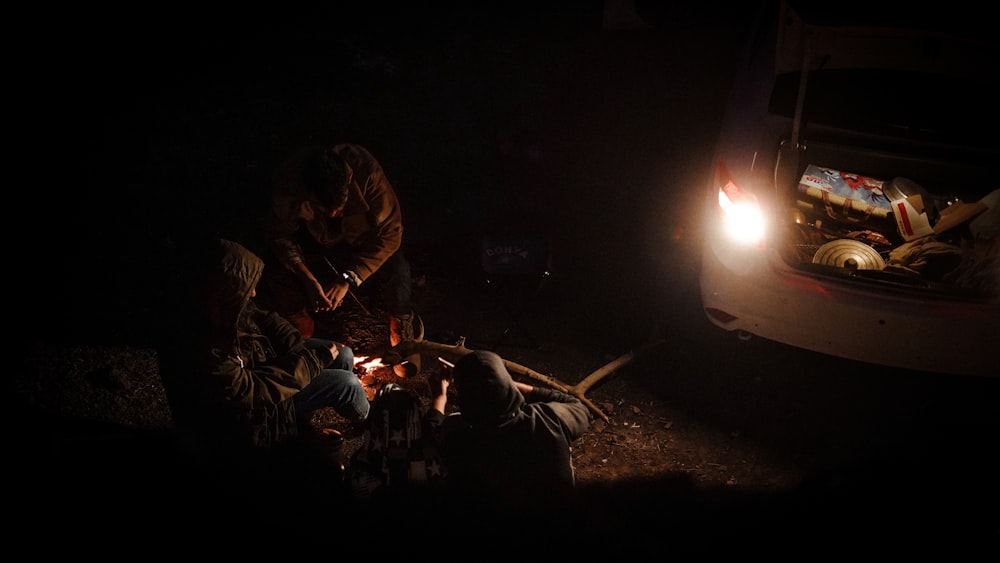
{"type": "Point", "coordinates": [561, 119]}
{"type": "Point", "coordinates": [142, 129]}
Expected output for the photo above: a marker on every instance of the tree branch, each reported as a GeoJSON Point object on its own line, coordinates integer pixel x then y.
{"type": "Point", "coordinates": [452, 353]}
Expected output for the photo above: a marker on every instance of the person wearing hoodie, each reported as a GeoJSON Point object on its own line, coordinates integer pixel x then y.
{"type": "Point", "coordinates": [240, 378]}
{"type": "Point", "coordinates": [507, 449]}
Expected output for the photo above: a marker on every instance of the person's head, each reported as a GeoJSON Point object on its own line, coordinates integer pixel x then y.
{"type": "Point", "coordinates": [487, 396]}
{"type": "Point", "coordinates": [326, 177]}
{"type": "Point", "coordinates": [231, 273]}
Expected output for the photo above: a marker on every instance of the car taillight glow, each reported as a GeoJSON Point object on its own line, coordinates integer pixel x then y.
{"type": "Point", "coordinates": [743, 219]}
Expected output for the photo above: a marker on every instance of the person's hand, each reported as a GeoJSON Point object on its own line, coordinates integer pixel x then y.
{"type": "Point", "coordinates": [439, 385]}
{"type": "Point", "coordinates": [439, 380]}
{"type": "Point", "coordinates": [313, 289]}
{"type": "Point", "coordinates": [336, 294]}
{"type": "Point", "coordinates": [334, 351]}
{"type": "Point", "coordinates": [319, 297]}
{"type": "Point", "coordinates": [439, 392]}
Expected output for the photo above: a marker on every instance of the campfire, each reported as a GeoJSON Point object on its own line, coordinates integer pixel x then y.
{"type": "Point", "coordinates": [373, 371]}
{"type": "Point", "coordinates": [362, 365]}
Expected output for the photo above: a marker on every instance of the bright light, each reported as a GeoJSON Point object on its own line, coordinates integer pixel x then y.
{"type": "Point", "coordinates": [369, 365]}
{"type": "Point", "coordinates": [743, 219]}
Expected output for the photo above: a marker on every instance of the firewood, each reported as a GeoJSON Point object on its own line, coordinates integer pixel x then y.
{"type": "Point", "coordinates": [452, 353]}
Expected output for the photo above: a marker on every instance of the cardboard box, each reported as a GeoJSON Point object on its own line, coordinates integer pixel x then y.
{"type": "Point", "coordinates": [911, 219]}
{"type": "Point", "coordinates": [913, 223]}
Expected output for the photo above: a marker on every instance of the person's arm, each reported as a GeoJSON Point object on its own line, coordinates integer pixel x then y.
{"type": "Point", "coordinates": [288, 208]}
{"type": "Point", "coordinates": [573, 415]}
{"type": "Point", "coordinates": [440, 401]}
{"type": "Point", "coordinates": [438, 383]}
{"type": "Point", "coordinates": [237, 379]}
{"type": "Point", "coordinates": [281, 228]}
{"type": "Point", "coordinates": [376, 230]}
{"type": "Point", "coordinates": [524, 388]}
{"type": "Point", "coordinates": [292, 353]}
{"type": "Point", "coordinates": [323, 300]}
{"type": "Point", "coordinates": [281, 333]}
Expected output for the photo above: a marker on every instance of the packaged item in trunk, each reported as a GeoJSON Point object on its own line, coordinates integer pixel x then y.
{"type": "Point", "coordinates": [845, 196]}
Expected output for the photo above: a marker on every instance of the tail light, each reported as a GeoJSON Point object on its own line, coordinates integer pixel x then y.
{"type": "Point", "coordinates": [743, 220]}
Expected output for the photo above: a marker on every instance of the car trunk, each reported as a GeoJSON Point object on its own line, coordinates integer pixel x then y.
{"type": "Point", "coordinates": [880, 125]}
{"type": "Point", "coordinates": [858, 239]}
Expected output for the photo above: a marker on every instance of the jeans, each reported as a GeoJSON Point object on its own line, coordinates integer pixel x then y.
{"type": "Point", "coordinates": [336, 386]}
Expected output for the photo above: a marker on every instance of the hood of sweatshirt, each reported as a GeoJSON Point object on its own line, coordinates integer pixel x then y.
{"type": "Point", "coordinates": [486, 392]}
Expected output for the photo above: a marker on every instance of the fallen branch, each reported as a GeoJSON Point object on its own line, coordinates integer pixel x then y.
{"type": "Point", "coordinates": [453, 353]}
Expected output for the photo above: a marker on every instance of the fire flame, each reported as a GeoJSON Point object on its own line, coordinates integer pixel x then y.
{"type": "Point", "coordinates": [366, 366]}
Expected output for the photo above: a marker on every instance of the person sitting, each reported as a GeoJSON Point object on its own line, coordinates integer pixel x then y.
{"type": "Point", "coordinates": [507, 447]}
{"type": "Point", "coordinates": [239, 378]}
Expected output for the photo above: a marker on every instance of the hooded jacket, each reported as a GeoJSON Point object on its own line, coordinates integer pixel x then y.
{"type": "Point", "coordinates": [371, 224]}
{"type": "Point", "coordinates": [230, 368]}
{"type": "Point", "coordinates": [502, 450]}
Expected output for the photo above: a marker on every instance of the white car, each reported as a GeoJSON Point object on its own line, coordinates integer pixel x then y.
{"type": "Point", "coordinates": [853, 208]}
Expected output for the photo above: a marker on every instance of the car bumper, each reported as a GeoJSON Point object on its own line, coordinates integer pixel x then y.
{"type": "Point", "coordinates": [756, 293]}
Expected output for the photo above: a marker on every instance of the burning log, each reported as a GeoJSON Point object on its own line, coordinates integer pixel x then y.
{"type": "Point", "coordinates": [452, 353]}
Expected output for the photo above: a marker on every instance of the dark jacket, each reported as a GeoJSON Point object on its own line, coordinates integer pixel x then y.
{"type": "Point", "coordinates": [230, 368]}
{"type": "Point", "coordinates": [505, 453]}
{"type": "Point", "coordinates": [371, 225]}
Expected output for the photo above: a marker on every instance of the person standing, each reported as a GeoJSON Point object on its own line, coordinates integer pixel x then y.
{"type": "Point", "coordinates": [335, 223]}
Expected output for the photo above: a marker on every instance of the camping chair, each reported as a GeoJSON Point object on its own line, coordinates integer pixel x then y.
{"type": "Point", "coordinates": [515, 269]}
